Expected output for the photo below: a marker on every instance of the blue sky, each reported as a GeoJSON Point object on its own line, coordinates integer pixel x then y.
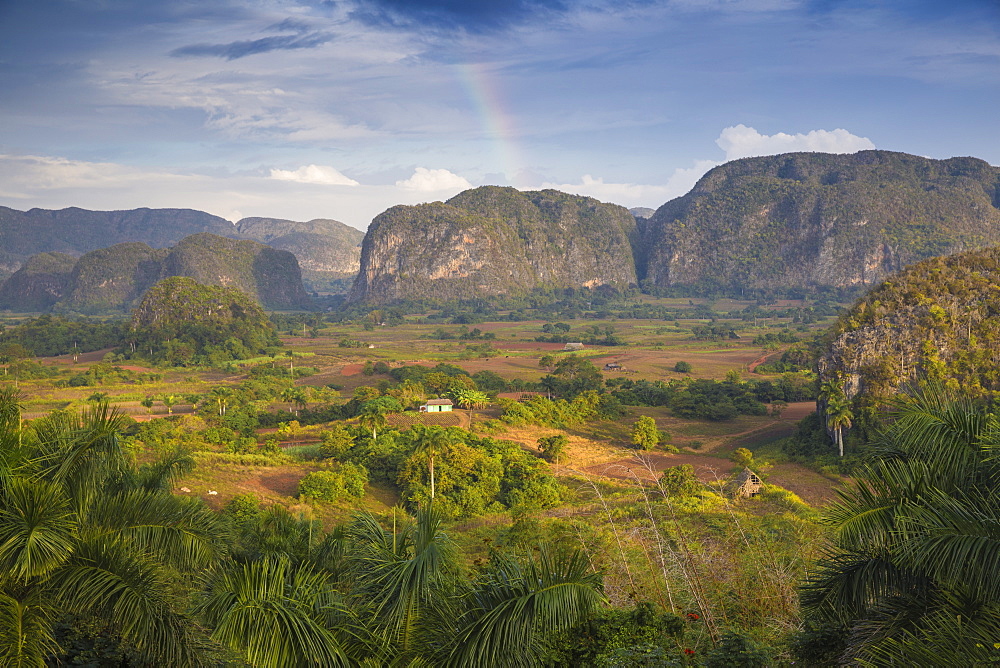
{"type": "Point", "coordinates": [340, 109]}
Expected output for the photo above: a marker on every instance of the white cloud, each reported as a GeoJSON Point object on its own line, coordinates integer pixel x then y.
{"type": "Point", "coordinates": [316, 174]}
{"type": "Point", "coordinates": [741, 141]}
{"type": "Point", "coordinates": [635, 194]}
{"type": "Point", "coordinates": [30, 181]}
{"type": "Point", "coordinates": [433, 180]}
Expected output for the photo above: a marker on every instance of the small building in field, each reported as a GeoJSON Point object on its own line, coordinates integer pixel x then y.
{"type": "Point", "coordinates": [437, 406]}
{"type": "Point", "coordinates": [747, 484]}
{"type": "Point", "coordinates": [573, 346]}
{"type": "Point", "coordinates": [613, 366]}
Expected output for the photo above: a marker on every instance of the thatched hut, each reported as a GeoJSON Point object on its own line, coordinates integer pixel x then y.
{"type": "Point", "coordinates": [746, 485]}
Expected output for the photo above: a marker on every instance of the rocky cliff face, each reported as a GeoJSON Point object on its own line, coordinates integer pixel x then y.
{"type": "Point", "coordinates": [320, 245]}
{"type": "Point", "coordinates": [935, 321]}
{"type": "Point", "coordinates": [114, 279]}
{"type": "Point", "coordinates": [806, 219]}
{"type": "Point", "coordinates": [494, 241]}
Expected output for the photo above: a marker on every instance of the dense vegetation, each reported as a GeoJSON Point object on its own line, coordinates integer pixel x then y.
{"type": "Point", "coordinates": [97, 549]}
{"type": "Point", "coordinates": [182, 322]}
{"type": "Point", "coordinates": [936, 321]}
{"type": "Point", "coordinates": [48, 335]}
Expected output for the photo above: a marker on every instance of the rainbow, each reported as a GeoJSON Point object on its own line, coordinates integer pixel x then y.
{"type": "Point", "coordinates": [497, 126]}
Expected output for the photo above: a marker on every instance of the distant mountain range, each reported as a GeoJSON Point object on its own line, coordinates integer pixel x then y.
{"type": "Point", "coordinates": [114, 279]}
{"type": "Point", "coordinates": [326, 249]}
{"type": "Point", "coordinates": [778, 223]}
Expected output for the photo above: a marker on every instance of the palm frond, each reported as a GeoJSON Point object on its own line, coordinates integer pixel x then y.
{"type": "Point", "coordinates": [37, 528]}
{"type": "Point", "coordinates": [130, 591]}
{"type": "Point", "coordinates": [182, 532]}
{"type": "Point", "coordinates": [26, 630]}
{"type": "Point", "coordinates": [274, 613]}
{"type": "Point", "coordinates": [517, 599]}
{"type": "Point", "coordinates": [82, 451]}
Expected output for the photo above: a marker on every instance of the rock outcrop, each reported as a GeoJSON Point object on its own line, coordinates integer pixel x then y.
{"type": "Point", "coordinates": [816, 219]}
{"type": "Point", "coordinates": [938, 320]}
{"type": "Point", "coordinates": [494, 241]}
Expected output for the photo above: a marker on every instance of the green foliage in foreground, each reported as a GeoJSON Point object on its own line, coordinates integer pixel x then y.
{"type": "Point", "coordinates": [86, 533]}
{"type": "Point", "coordinates": [913, 577]}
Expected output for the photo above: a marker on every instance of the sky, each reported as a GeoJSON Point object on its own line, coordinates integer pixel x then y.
{"type": "Point", "coordinates": [303, 109]}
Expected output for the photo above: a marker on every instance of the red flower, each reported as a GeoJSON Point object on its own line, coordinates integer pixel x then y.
{"type": "Point", "coordinates": [693, 616]}
{"type": "Point", "coordinates": [689, 651]}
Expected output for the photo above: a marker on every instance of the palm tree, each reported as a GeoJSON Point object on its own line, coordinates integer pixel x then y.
{"type": "Point", "coordinates": [84, 532]}
{"type": "Point", "coordinates": [297, 396]}
{"type": "Point", "coordinates": [914, 571]}
{"type": "Point", "coordinates": [838, 418]}
{"type": "Point", "coordinates": [514, 601]}
{"type": "Point", "coordinates": [432, 440]}
{"type": "Point", "coordinates": [373, 419]}
{"type": "Point", "coordinates": [275, 613]}
{"type": "Point", "coordinates": [470, 399]}
{"type": "Point", "coordinates": [222, 395]}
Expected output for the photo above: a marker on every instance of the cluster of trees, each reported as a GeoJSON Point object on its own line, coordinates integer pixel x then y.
{"type": "Point", "coordinates": [710, 399]}
{"type": "Point", "coordinates": [50, 335]}
{"type": "Point", "coordinates": [462, 334]}
{"type": "Point", "coordinates": [560, 413]}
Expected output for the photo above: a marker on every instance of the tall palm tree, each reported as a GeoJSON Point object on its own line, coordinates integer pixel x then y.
{"type": "Point", "coordinates": [914, 569]}
{"type": "Point", "coordinates": [432, 440]}
{"type": "Point", "coordinates": [839, 417]}
{"type": "Point", "coordinates": [84, 532]}
{"type": "Point", "coordinates": [373, 419]}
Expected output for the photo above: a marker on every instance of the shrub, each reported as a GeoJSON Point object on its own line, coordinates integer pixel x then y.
{"type": "Point", "coordinates": [737, 651]}
{"type": "Point", "coordinates": [678, 481]}
{"type": "Point", "coordinates": [345, 480]}
{"type": "Point", "coordinates": [553, 447]}
{"type": "Point", "coordinates": [682, 367]}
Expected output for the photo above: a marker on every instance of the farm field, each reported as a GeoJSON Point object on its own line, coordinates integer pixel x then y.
{"type": "Point", "coordinates": [650, 351]}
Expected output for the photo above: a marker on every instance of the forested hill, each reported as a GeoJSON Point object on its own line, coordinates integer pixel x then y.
{"type": "Point", "coordinates": [935, 321]}
{"type": "Point", "coordinates": [805, 219]}
{"type": "Point", "coordinates": [494, 241]}
{"type": "Point", "coordinates": [76, 231]}
{"type": "Point", "coordinates": [114, 279]}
